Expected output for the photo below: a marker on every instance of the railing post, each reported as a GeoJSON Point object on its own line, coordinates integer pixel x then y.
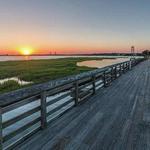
{"type": "Point", "coordinates": [127, 66]}
{"type": "Point", "coordinates": [120, 70]}
{"type": "Point", "coordinates": [1, 129]}
{"type": "Point", "coordinates": [133, 63]}
{"type": "Point", "coordinates": [104, 78]}
{"type": "Point", "coordinates": [130, 65]}
{"type": "Point", "coordinates": [123, 67]}
{"type": "Point", "coordinates": [43, 111]}
{"type": "Point", "coordinates": [112, 74]}
{"type": "Point", "coordinates": [94, 86]}
{"type": "Point", "coordinates": [76, 85]}
{"type": "Point", "coordinates": [116, 72]}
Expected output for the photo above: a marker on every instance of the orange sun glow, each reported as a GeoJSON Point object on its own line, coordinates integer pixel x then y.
{"type": "Point", "coordinates": [26, 51]}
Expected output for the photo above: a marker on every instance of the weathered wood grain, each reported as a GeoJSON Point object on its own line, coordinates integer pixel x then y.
{"type": "Point", "coordinates": [110, 120]}
{"type": "Point", "coordinates": [81, 86]}
{"type": "Point", "coordinates": [43, 111]}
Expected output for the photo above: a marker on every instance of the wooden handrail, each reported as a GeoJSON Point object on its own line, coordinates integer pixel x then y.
{"type": "Point", "coordinates": [14, 96]}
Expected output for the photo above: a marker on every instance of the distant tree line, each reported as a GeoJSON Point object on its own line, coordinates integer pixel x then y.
{"type": "Point", "coordinates": [146, 52]}
{"type": "Point", "coordinates": [117, 54]}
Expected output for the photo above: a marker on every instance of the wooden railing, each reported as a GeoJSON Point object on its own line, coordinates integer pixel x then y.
{"type": "Point", "coordinates": [26, 111]}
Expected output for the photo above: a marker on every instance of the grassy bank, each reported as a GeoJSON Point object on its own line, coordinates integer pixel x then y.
{"type": "Point", "coordinates": [39, 71]}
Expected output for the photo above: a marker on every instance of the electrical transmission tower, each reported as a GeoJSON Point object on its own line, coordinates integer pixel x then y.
{"type": "Point", "coordinates": [132, 51]}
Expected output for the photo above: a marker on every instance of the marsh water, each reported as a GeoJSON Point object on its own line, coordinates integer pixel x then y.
{"type": "Point", "coordinates": [101, 63]}
{"type": "Point", "coordinates": [16, 79]}
{"type": "Point", "coordinates": [14, 58]}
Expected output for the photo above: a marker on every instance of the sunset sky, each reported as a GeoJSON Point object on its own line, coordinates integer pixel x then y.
{"type": "Point", "coordinates": [74, 26]}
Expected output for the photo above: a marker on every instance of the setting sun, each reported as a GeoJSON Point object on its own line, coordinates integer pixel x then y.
{"type": "Point", "coordinates": [26, 51]}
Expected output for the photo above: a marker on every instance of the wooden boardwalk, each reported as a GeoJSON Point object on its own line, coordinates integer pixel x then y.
{"type": "Point", "coordinates": [116, 118]}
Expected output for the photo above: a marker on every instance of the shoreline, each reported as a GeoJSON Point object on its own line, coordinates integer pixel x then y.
{"type": "Point", "coordinates": [24, 58]}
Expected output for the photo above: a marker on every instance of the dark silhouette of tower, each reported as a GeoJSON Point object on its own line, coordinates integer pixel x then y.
{"type": "Point", "coordinates": [132, 50]}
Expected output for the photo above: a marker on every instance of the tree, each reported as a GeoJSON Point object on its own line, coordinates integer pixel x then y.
{"type": "Point", "coordinates": [146, 53]}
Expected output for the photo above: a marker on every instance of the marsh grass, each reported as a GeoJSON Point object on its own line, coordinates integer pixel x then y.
{"type": "Point", "coordinates": [39, 71]}
{"type": "Point", "coordinates": [9, 85]}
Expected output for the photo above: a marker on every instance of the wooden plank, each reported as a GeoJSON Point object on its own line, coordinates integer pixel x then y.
{"type": "Point", "coordinates": [59, 107]}
{"type": "Point", "coordinates": [94, 84]}
{"type": "Point", "coordinates": [86, 96]}
{"type": "Point", "coordinates": [99, 84]}
{"type": "Point", "coordinates": [98, 76]}
{"type": "Point", "coordinates": [97, 117]}
{"type": "Point", "coordinates": [76, 85]}
{"type": "Point", "coordinates": [59, 115]}
{"type": "Point", "coordinates": [112, 74]}
{"type": "Point", "coordinates": [84, 80]}
{"type": "Point", "coordinates": [20, 117]}
{"type": "Point", "coordinates": [120, 69]}
{"type": "Point", "coordinates": [22, 139]}
{"type": "Point", "coordinates": [20, 103]}
{"type": "Point", "coordinates": [130, 64]}
{"type": "Point", "coordinates": [58, 98]}
{"type": "Point", "coordinates": [85, 85]}
{"type": "Point", "coordinates": [25, 127]}
{"type": "Point", "coordinates": [60, 89]}
{"type": "Point", "coordinates": [43, 111]}
{"type": "Point", "coordinates": [104, 79]}
{"type": "Point", "coordinates": [85, 92]}
{"type": "Point", "coordinates": [1, 131]}
{"type": "Point", "coordinates": [116, 72]}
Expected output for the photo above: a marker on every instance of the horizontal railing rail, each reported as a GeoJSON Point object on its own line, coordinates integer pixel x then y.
{"type": "Point", "coordinates": [26, 111]}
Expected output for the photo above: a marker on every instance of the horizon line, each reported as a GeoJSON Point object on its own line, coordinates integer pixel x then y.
{"type": "Point", "coordinates": [60, 54]}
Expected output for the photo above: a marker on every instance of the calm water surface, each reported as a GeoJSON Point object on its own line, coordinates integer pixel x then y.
{"type": "Point", "coordinates": [14, 58]}
{"type": "Point", "coordinates": [101, 63]}
{"type": "Point", "coordinates": [16, 79]}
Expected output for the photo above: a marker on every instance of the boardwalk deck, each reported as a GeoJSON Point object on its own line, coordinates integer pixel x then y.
{"type": "Point", "coordinates": [116, 118]}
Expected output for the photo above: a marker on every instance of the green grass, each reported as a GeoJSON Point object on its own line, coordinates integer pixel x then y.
{"type": "Point", "coordinates": [9, 86]}
{"type": "Point", "coordinates": [39, 71]}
